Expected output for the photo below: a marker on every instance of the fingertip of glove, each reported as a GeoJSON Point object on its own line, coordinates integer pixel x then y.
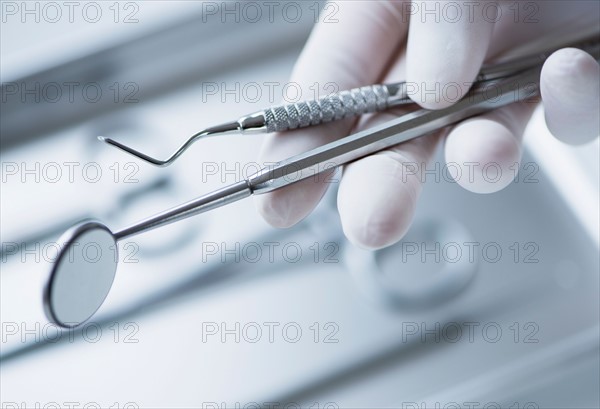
{"type": "Point", "coordinates": [276, 209]}
{"type": "Point", "coordinates": [570, 82]}
{"type": "Point", "coordinates": [375, 206]}
{"type": "Point", "coordinates": [483, 154]}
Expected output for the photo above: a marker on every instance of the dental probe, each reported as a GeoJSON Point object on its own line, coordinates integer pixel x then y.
{"type": "Point", "coordinates": [345, 104]}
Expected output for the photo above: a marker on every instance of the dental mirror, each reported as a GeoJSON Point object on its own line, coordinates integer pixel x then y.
{"type": "Point", "coordinates": [82, 274]}
{"type": "Point", "coordinates": [85, 268]}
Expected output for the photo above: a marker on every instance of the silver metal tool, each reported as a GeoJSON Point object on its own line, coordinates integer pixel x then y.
{"type": "Point", "coordinates": [333, 107]}
{"type": "Point", "coordinates": [345, 104]}
{"type": "Point", "coordinates": [78, 284]}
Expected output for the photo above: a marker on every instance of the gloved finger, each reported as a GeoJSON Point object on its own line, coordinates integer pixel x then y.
{"type": "Point", "coordinates": [354, 51]}
{"type": "Point", "coordinates": [378, 194]}
{"type": "Point", "coordinates": [447, 43]}
{"type": "Point", "coordinates": [483, 154]}
{"type": "Point", "coordinates": [570, 83]}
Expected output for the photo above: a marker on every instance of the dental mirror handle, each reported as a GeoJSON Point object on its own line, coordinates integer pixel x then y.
{"type": "Point", "coordinates": [209, 201]}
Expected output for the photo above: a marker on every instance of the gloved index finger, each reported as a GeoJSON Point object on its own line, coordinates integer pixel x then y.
{"type": "Point", "coordinates": [352, 47]}
{"type": "Point", "coordinates": [447, 43]}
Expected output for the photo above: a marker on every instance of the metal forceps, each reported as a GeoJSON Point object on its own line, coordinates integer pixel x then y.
{"type": "Point", "coordinates": [77, 288]}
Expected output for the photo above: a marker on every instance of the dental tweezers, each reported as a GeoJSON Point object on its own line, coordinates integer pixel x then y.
{"type": "Point", "coordinates": [496, 86]}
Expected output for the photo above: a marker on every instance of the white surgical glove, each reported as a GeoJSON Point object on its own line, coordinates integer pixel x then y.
{"type": "Point", "coordinates": [372, 42]}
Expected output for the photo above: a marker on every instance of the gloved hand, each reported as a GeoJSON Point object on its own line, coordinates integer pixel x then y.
{"type": "Point", "coordinates": [373, 42]}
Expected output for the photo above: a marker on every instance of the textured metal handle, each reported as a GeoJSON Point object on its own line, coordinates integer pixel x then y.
{"type": "Point", "coordinates": [329, 108]}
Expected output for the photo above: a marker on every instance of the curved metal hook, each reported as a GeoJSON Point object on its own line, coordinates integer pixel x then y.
{"type": "Point", "coordinates": [220, 129]}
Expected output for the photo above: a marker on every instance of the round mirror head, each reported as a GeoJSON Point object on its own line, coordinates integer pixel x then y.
{"type": "Point", "coordinates": [82, 274]}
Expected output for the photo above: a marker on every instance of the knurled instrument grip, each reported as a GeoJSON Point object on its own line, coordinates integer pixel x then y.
{"type": "Point", "coordinates": [354, 102]}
